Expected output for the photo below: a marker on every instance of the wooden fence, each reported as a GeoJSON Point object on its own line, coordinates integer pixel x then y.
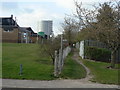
{"type": "Point", "coordinates": [59, 60]}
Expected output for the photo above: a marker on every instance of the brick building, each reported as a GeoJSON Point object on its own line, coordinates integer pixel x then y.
{"type": "Point", "coordinates": [9, 29]}
{"type": "Point", "coordinates": [13, 33]}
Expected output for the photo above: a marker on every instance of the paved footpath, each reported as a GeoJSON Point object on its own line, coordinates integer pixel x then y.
{"type": "Point", "coordinates": [52, 84]}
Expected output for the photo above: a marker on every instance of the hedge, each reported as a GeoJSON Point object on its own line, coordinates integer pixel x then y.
{"type": "Point", "coordinates": [98, 54]}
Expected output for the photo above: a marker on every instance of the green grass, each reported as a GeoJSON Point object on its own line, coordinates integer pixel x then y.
{"type": "Point", "coordinates": [36, 65]}
{"type": "Point", "coordinates": [101, 73]}
{"type": "Point", "coordinates": [72, 70]}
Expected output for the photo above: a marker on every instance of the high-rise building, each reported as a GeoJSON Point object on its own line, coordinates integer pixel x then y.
{"type": "Point", "coordinates": [46, 26]}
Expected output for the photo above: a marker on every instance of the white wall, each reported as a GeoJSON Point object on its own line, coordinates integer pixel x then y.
{"type": "Point", "coordinates": [81, 51]}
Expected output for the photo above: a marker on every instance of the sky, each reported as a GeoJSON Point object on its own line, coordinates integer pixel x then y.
{"type": "Point", "coordinates": [29, 13]}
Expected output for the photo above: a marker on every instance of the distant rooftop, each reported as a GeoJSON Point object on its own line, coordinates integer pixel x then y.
{"type": "Point", "coordinates": [4, 21]}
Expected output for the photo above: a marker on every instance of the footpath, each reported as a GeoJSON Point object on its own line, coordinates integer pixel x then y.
{"type": "Point", "coordinates": [10, 83]}
{"type": "Point", "coordinates": [79, 83]}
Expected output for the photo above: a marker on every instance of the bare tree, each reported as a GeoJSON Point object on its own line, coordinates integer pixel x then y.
{"type": "Point", "coordinates": [70, 27]}
{"type": "Point", "coordinates": [50, 46]}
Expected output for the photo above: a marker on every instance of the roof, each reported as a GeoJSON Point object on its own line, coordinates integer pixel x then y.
{"type": "Point", "coordinates": [7, 21]}
{"type": "Point", "coordinates": [23, 29]}
{"type": "Point", "coordinates": [30, 29]}
{"type": "Point", "coordinates": [10, 23]}
{"type": "Point", "coordinates": [41, 34]}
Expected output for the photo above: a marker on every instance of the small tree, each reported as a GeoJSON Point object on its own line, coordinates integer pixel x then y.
{"type": "Point", "coordinates": [50, 46]}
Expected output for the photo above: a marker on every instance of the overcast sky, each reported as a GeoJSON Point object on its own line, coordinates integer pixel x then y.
{"type": "Point", "coordinates": [30, 12]}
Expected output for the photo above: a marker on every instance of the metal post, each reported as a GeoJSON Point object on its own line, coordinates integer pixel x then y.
{"type": "Point", "coordinates": [56, 65]}
{"type": "Point", "coordinates": [59, 61]}
{"type": "Point", "coordinates": [61, 49]}
{"type": "Point", "coordinates": [20, 70]}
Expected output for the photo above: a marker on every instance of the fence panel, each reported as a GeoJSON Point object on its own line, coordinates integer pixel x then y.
{"type": "Point", "coordinates": [95, 44]}
{"type": "Point", "coordinates": [59, 60]}
{"type": "Point", "coordinates": [77, 45]}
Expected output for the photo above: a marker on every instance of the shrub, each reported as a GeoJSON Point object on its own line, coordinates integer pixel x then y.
{"type": "Point", "coordinates": [98, 54]}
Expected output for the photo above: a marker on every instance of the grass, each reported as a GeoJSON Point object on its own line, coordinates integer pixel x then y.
{"type": "Point", "coordinates": [35, 65]}
{"type": "Point", "coordinates": [38, 66]}
{"type": "Point", "coordinates": [72, 70]}
{"type": "Point", "coordinates": [101, 73]}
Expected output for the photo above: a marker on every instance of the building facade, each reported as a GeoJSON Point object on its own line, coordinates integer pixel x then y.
{"type": "Point", "coordinates": [46, 26]}
{"type": "Point", "coordinates": [9, 29]}
{"type": "Point", "coordinates": [13, 33]}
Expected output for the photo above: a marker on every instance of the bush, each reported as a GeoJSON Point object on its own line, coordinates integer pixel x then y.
{"type": "Point", "coordinates": [98, 54]}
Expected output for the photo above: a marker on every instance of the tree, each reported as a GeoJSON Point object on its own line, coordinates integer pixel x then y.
{"type": "Point", "coordinates": [87, 20]}
{"type": "Point", "coordinates": [108, 30]}
{"type": "Point", "coordinates": [70, 29]}
{"type": "Point", "coordinates": [102, 25]}
{"type": "Point", "coordinates": [50, 46]}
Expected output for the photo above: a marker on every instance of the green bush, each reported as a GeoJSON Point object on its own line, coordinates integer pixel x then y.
{"type": "Point", "coordinates": [98, 54]}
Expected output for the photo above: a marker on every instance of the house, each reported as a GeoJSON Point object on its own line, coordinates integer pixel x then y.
{"type": "Point", "coordinates": [27, 35]}
{"type": "Point", "coordinates": [34, 37]}
{"type": "Point", "coordinates": [24, 35]}
{"type": "Point", "coordinates": [13, 33]}
{"type": "Point", "coordinates": [9, 29]}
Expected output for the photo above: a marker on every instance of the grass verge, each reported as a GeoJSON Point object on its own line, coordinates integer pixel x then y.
{"type": "Point", "coordinates": [101, 73]}
{"type": "Point", "coordinates": [72, 70]}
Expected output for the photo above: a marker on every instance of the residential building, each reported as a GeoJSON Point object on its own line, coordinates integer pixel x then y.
{"type": "Point", "coordinates": [24, 35]}
{"type": "Point", "coordinates": [13, 33]}
{"type": "Point", "coordinates": [9, 29]}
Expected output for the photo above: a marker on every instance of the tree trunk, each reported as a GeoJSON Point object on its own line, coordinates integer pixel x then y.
{"type": "Point", "coordinates": [53, 61]}
{"type": "Point", "coordinates": [113, 59]}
